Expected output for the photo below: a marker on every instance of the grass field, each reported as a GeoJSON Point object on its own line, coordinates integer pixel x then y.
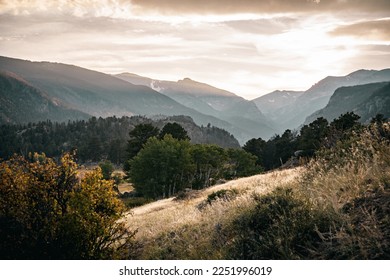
{"type": "Point", "coordinates": [178, 217]}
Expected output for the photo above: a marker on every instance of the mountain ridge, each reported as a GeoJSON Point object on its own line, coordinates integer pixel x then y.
{"type": "Point", "coordinates": [102, 95]}
{"type": "Point", "coordinates": [365, 100]}
{"type": "Point", "coordinates": [294, 113]}
{"type": "Point", "coordinates": [212, 101]}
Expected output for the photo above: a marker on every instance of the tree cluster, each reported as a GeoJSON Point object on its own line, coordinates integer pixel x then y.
{"type": "Point", "coordinates": [320, 133]}
{"type": "Point", "coordinates": [163, 163]}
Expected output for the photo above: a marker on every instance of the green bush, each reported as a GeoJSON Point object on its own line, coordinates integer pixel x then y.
{"type": "Point", "coordinates": [279, 226]}
{"type": "Point", "coordinates": [223, 194]}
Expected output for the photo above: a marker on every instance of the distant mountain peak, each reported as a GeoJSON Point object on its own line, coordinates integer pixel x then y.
{"type": "Point", "coordinates": [129, 74]}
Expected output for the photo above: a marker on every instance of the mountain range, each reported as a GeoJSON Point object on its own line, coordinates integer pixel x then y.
{"type": "Point", "coordinates": [98, 94]}
{"type": "Point", "coordinates": [297, 106]}
{"type": "Point", "coordinates": [211, 101]}
{"type": "Point", "coordinates": [35, 91]}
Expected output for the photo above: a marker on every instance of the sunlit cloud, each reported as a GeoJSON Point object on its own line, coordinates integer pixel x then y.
{"type": "Point", "coordinates": [374, 29]}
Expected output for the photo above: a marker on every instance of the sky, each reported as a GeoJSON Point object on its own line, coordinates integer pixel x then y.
{"type": "Point", "coordinates": [249, 47]}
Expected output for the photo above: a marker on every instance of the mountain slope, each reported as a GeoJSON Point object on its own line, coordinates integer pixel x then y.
{"type": "Point", "coordinates": [365, 100]}
{"type": "Point", "coordinates": [99, 94]}
{"type": "Point", "coordinates": [95, 93]}
{"type": "Point", "coordinates": [20, 102]}
{"type": "Point", "coordinates": [378, 103]}
{"type": "Point", "coordinates": [316, 97]}
{"type": "Point", "coordinates": [212, 101]}
{"type": "Point", "coordinates": [276, 103]}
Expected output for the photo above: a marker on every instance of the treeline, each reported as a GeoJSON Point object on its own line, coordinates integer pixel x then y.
{"type": "Point", "coordinates": [164, 163]}
{"type": "Point", "coordinates": [95, 139]}
{"type": "Point", "coordinates": [292, 145]}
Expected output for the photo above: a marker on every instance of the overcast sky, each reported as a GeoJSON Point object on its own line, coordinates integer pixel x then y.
{"type": "Point", "coordinates": [248, 47]}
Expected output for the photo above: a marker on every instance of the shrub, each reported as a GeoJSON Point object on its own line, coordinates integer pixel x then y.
{"type": "Point", "coordinates": [221, 195]}
{"type": "Point", "coordinates": [107, 169]}
{"type": "Point", "coordinates": [279, 226]}
{"type": "Point", "coordinates": [46, 212]}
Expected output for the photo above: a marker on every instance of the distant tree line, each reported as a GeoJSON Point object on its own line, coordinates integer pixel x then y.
{"type": "Point", "coordinates": [312, 137]}
{"type": "Point", "coordinates": [95, 140]}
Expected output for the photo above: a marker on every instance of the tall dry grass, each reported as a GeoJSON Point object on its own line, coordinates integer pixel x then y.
{"type": "Point", "coordinates": [169, 229]}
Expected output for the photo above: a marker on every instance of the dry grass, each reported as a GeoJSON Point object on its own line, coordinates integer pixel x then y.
{"type": "Point", "coordinates": [182, 220]}
{"type": "Point", "coordinates": [125, 187]}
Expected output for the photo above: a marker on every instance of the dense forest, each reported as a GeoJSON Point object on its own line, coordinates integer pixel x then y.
{"type": "Point", "coordinates": [96, 139]}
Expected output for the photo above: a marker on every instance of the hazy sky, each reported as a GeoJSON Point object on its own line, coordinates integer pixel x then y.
{"type": "Point", "coordinates": [248, 47]}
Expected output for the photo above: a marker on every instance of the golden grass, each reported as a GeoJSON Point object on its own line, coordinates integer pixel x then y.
{"type": "Point", "coordinates": [125, 187]}
{"type": "Point", "coordinates": [169, 216]}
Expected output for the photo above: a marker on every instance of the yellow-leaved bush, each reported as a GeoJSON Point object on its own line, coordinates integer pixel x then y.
{"type": "Point", "coordinates": [48, 212]}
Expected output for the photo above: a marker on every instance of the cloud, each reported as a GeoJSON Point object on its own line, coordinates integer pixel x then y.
{"type": "Point", "coordinates": [377, 29]}
{"type": "Point", "coordinates": [265, 6]}
{"type": "Point", "coordinates": [131, 8]}
{"type": "Point", "coordinates": [263, 26]}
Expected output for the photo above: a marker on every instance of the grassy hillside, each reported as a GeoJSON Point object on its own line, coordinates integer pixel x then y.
{"type": "Point", "coordinates": [184, 228]}
{"type": "Point", "coordinates": [337, 207]}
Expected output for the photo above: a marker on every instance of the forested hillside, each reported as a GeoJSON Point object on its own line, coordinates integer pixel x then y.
{"type": "Point", "coordinates": [97, 138]}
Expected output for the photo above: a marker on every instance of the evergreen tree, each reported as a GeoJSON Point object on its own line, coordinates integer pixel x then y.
{"type": "Point", "coordinates": [312, 136]}
{"type": "Point", "coordinates": [174, 129]}
{"type": "Point", "coordinates": [138, 138]}
{"type": "Point", "coordinates": [256, 147]}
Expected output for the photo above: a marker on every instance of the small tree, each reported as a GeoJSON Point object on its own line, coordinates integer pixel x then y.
{"type": "Point", "coordinates": [162, 168]}
{"type": "Point", "coordinates": [312, 136]}
{"type": "Point", "coordinates": [345, 121]}
{"type": "Point", "coordinates": [107, 169]}
{"type": "Point", "coordinates": [209, 163]}
{"type": "Point", "coordinates": [256, 147]}
{"type": "Point", "coordinates": [241, 164]}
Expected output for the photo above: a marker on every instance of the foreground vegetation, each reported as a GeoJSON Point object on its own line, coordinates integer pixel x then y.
{"type": "Point", "coordinates": [335, 208]}
{"type": "Point", "coordinates": [47, 212]}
